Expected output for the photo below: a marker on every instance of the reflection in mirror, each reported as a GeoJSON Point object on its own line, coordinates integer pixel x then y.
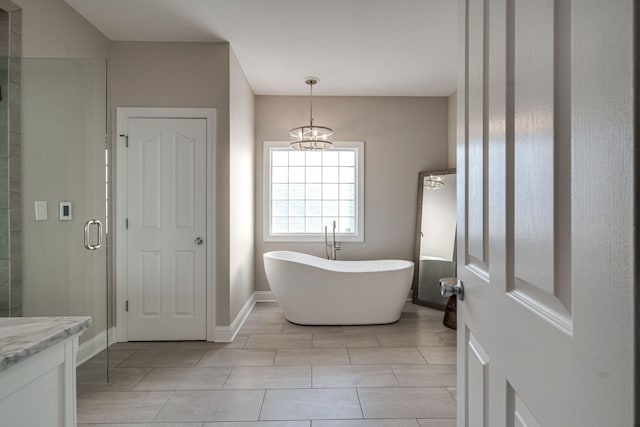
{"type": "Point", "coordinates": [435, 244]}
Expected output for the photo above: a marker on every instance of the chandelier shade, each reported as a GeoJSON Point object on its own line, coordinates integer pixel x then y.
{"type": "Point", "coordinates": [310, 137]}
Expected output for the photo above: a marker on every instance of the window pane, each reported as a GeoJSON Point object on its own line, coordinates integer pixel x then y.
{"type": "Point", "coordinates": [296, 208]}
{"type": "Point", "coordinates": [330, 174]}
{"type": "Point", "coordinates": [280, 208]}
{"type": "Point", "coordinates": [314, 174]}
{"type": "Point", "coordinates": [330, 191]}
{"type": "Point", "coordinates": [279, 158]}
{"type": "Point", "coordinates": [330, 208]}
{"type": "Point", "coordinates": [330, 158]}
{"type": "Point", "coordinates": [314, 191]}
{"type": "Point", "coordinates": [347, 191]}
{"type": "Point", "coordinates": [280, 224]}
{"type": "Point", "coordinates": [314, 158]}
{"type": "Point", "coordinates": [296, 158]}
{"type": "Point", "coordinates": [347, 158]}
{"type": "Point", "coordinates": [279, 174]}
{"type": "Point", "coordinates": [280, 191]}
{"type": "Point", "coordinates": [347, 174]}
{"type": "Point", "coordinates": [314, 208]}
{"type": "Point", "coordinates": [296, 225]}
{"type": "Point", "coordinates": [314, 225]}
{"type": "Point", "coordinates": [347, 208]}
{"type": "Point", "coordinates": [296, 191]}
{"type": "Point", "coordinates": [296, 174]}
{"type": "Point", "coordinates": [347, 225]}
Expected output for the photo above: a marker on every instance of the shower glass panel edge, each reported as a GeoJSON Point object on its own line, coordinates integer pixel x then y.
{"type": "Point", "coordinates": [61, 147]}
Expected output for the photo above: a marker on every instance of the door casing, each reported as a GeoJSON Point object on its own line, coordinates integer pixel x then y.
{"type": "Point", "coordinates": [119, 224]}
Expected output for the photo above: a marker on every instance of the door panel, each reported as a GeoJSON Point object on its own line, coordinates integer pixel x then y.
{"type": "Point", "coordinates": [476, 207]}
{"type": "Point", "coordinates": [545, 102]}
{"type": "Point", "coordinates": [150, 166]}
{"type": "Point", "coordinates": [478, 381]}
{"type": "Point", "coordinates": [166, 214]}
{"type": "Point", "coordinates": [151, 280]}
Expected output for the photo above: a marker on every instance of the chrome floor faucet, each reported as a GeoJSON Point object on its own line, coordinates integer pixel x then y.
{"type": "Point", "coordinates": [335, 246]}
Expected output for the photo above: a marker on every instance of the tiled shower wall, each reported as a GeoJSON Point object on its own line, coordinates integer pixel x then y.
{"type": "Point", "coordinates": [10, 161]}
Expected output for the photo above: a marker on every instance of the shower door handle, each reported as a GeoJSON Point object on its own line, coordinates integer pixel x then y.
{"type": "Point", "coordinates": [87, 226]}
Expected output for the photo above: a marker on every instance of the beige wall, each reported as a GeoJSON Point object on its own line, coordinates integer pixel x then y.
{"type": "Point", "coordinates": [403, 135]}
{"type": "Point", "coordinates": [146, 74]}
{"type": "Point", "coordinates": [241, 188]}
{"type": "Point", "coordinates": [52, 29]}
{"type": "Point", "coordinates": [453, 125]}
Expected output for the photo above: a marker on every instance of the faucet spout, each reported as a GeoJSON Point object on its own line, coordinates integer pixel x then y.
{"type": "Point", "coordinates": [335, 246]}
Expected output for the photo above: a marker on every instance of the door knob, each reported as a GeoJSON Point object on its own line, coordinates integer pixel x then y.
{"type": "Point", "coordinates": [199, 240]}
{"type": "Point", "coordinates": [451, 286]}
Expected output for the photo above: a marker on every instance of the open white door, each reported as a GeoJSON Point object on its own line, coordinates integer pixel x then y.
{"type": "Point", "coordinates": [546, 213]}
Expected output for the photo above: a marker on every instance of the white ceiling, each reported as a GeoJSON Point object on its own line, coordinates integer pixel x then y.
{"type": "Point", "coordinates": [355, 47]}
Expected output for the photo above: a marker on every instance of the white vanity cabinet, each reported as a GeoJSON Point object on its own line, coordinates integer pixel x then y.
{"type": "Point", "coordinates": [37, 371]}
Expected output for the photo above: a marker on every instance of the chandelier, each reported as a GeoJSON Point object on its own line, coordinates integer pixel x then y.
{"type": "Point", "coordinates": [310, 137]}
{"type": "Point", "coordinates": [434, 182]}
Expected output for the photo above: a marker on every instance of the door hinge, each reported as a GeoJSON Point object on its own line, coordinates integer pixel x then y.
{"type": "Point", "coordinates": [126, 139]}
{"type": "Point", "coordinates": [126, 223]}
{"type": "Point", "coordinates": [126, 305]}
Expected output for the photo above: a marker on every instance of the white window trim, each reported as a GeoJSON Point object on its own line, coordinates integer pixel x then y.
{"type": "Point", "coordinates": [266, 179]}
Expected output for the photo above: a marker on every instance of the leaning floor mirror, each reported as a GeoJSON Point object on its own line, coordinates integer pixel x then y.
{"type": "Point", "coordinates": [435, 242]}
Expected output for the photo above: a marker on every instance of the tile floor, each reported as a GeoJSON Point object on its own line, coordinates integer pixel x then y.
{"type": "Point", "coordinates": [277, 374]}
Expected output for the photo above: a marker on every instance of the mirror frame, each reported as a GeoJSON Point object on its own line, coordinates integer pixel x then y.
{"type": "Point", "coordinates": [416, 246]}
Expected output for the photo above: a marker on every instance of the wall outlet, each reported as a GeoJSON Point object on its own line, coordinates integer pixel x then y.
{"type": "Point", "coordinates": [41, 210]}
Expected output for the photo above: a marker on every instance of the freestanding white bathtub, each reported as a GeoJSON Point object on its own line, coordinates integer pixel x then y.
{"type": "Point", "coordinates": [318, 291]}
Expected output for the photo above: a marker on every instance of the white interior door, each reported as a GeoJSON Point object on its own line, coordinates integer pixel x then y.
{"type": "Point", "coordinates": [166, 233]}
{"type": "Point", "coordinates": [545, 225]}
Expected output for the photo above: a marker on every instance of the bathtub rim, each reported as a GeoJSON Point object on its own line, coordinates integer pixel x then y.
{"type": "Point", "coordinates": [329, 265]}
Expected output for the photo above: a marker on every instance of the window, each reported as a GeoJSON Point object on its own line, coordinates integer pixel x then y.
{"type": "Point", "coordinates": [308, 190]}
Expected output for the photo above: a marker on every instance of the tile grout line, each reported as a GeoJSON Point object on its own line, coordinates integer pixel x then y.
{"type": "Point", "coordinates": [162, 407]}
{"type": "Point", "coordinates": [423, 356]}
{"type": "Point", "coordinates": [395, 375]}
{"type": "Point", "coordinates": [359, 401]}
{"type": "Point", "coordinates": [143, 377]}
{"type": "Point", "coordinates": [195, 365]}
{"type": "Point", "coordinates": [379, 342]}
{"type": "Point", "coordinates": [227, 378]}
{"type": "Point", "coordinates": [264, 397]}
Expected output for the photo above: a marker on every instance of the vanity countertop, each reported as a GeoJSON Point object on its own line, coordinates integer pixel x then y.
{"type": "Point", "coordinates": [23, 337]}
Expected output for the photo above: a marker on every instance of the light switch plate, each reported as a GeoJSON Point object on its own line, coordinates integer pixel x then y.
{"type": "Point", "coordinates": [41, 210]}
{"type": "Point", "coordinates": [65, 211]}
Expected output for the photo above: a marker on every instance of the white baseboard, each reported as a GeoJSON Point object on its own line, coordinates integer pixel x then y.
{"type": "Point", "coordinates": [264, 296]}
{"type": "Point", "coordinates": [228, 333]}
{"type": "Point", "coordinates": [222, 333]}
{"type": "Point", "coordinates": [95, 345]}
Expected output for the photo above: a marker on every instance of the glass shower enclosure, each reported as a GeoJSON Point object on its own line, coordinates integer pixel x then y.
{"type": "Point", "coordinates": [54, 197]}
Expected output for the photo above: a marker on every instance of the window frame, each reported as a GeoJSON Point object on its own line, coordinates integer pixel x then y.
{"type": "Point", "coordinates": [268, 236]}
